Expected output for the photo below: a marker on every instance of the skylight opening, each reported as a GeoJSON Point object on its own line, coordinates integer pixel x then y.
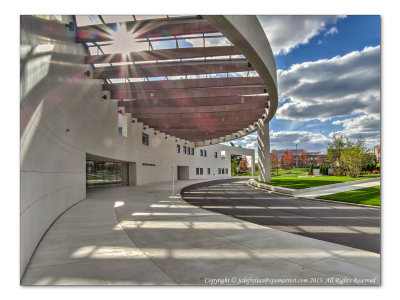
{"type": "Point", "coordinates": [170, 44]}
{"type": "Point", "coordinates": [224, 57]}
{"type": "Point", "coordinates": [117, 18]}
{"type": "Point", "coordinates": [101, 65]}
{"type": "Point", "coordinates": [122, 63]}
{"type": "Point", "coordinates": [156, 78]}
{"type": "Point", "coordinates": [237, 74]}
{"type": "Point", "coordinates": [118, 80]}
{"type": "Point", "coordinates": [217, 41]}
{"type": "Point", "coordinates": [139, 79]}
{"type": "Point", "coordinates": [149, 17]}
{"type": "Point", "coordinates": [84, 20]}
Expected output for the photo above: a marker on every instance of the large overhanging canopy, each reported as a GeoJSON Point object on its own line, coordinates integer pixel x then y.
{"type": "Point", "coordinates": [180, 75]}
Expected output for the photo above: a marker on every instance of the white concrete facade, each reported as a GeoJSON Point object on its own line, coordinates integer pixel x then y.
{"type": "Point", "coordinates": [64, 118]}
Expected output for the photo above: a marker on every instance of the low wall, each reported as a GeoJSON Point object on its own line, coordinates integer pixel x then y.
{"type": "Point", "coordinates": [293, 192]}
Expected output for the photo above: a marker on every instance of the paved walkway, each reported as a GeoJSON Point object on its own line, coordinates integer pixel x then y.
{"type": "Point", "coordinates": [140, 235]}
{"type": "Point", "coordinates": [338, 189]}
{"type": "Point", "coordinates": [351, 226]}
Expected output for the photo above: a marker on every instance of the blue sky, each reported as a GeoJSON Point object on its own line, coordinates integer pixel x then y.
{"type": "Point", "coordinates": [328, 80]}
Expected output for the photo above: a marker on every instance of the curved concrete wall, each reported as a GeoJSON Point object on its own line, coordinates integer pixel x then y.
{"type": "Point", "coordinates": [63, 118]}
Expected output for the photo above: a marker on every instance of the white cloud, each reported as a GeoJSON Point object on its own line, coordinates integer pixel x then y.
{"type": "Point", "coordinates": [327, 88]}
{"type": "Point", "coordinates": [287, 140]}
{"type": "Point", "coordinates": [305, 140]}
{"type": "Point", "coordinates": [288, 32]}
{"type": "Point", "coordinates": [367, 126]}
{"type": "Point", "coordinates": [332, 31]}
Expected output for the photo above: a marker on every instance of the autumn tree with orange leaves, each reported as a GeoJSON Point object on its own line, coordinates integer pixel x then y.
{"type": "Point", "coordinates": [304, 158]}
{"type": "Point", "coordinates": [287, 160]}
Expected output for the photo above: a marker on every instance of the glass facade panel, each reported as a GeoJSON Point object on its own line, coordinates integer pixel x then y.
{"type": "Point", "coordinates": [101, 173]}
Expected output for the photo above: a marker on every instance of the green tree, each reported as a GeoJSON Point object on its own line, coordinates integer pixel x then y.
{"type": "Point", "coordinates": [334, 151]}
{"type": "Point", "coordinates": [354, 157]}
{"type": "Point", "coordinates": [234, 165]}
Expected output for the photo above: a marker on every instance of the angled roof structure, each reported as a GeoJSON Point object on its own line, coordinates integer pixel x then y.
{"type": "Point", "coordinates": [206, 79]}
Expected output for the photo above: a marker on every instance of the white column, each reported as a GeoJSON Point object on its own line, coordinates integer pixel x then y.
{"type": "Point", "coordinates": [264, 165]}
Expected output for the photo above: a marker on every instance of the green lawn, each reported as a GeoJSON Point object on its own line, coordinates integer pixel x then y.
{"type": "Point", "coordinates": [294, 182]}
{"type": "Point", "coordinates": [291, 171]}
{"type": "Point", "coordinates": [371, 196]}
{"type": "Point", "coordinates": [280, 172]}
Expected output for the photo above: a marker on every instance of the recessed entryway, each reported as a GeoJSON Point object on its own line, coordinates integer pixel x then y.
{"type": "Point", "coordinates": [183, 173]}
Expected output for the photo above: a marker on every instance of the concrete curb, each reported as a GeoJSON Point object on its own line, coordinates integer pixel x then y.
{"type": "Point", "coordinates": [283, 191]}
{"type": "Point", "coordinates": [302, 191]}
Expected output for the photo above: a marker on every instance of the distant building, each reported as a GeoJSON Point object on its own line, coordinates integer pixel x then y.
{"type": "Point", "coordinates": [377, 153]}
{"type": "Point", "coordinates": [279, 153]}
{"type": "Point", "coordinates": [313, 157]}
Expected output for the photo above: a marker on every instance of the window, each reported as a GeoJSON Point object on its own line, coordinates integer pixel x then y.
{"type": "Point", "coordinates": [215, 154]}
{"type": "Point", "coordinates": [101, 173]}
{"type": "Point", "coordinates": [219, 170]}
{"type": "Point", "coordinates": [201, 171]}
{"type": "Point", "coordinates": [184, 149]}
{"type": "Point", "coordinates": [145, 139]}
{"type": "Point", "coordinates": [188, 151]}
{"type": "Point", "coordinates": [201, 152]}
{"type": "Point", "coordinates": [226, 171]}
{"type": "Point", "coordinates": [178, 148]}
{"type": "Point", "coordinates": [197, 171]}
{"type": "Point", "coordinates": [192, 151]}
{"type": "Point", "coordinates": [205, 153]}
{"type": "Point", "coordinates": [222, 170]}
{"type": "Point", "coordinates": [208, 171]}
{"type": "Point", "coordinates": [223, 153]}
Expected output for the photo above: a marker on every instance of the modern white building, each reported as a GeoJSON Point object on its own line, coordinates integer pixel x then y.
{"type": "Point", "coordinates": [159, 108]}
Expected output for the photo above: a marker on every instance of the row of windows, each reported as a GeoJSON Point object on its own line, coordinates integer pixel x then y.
{"type": "Point", "coordinates": [222, 171]}
{"type": "Point", "coordinates": [203, 152]}
{"type": "Point", "coordinates": [186, 150]}
{"type": "Point", "coordinates": [199, 171]}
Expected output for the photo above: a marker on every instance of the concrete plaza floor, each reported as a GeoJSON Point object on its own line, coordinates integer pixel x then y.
{"type": "Point", "coordinates": [333, 221]}
{"type": "Point", "coordinates": [143, 236]}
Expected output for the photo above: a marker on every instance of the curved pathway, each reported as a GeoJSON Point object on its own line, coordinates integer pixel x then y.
{"type": "Point", "coordinates": [143, 236]}
{"type": "Point", "coordinates": [344, 224]}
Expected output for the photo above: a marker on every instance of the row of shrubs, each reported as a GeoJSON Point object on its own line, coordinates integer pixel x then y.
{"type": "Point", "coordinates": [366, 169]}
{"type": "Point", "coordinates": [323, 170]}
{"type": "Point", "coordinates": [371, 167]}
